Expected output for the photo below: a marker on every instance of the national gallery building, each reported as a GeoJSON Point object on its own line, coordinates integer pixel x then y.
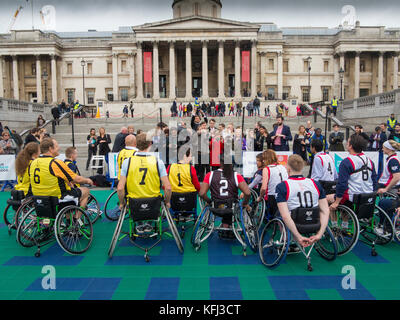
{"type": "Point", "coordinates": [198, 53]}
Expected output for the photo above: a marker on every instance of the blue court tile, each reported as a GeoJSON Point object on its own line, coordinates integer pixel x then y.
{"type": "Point", "coordinates": [54, 256]}
{"type": "Point", "coordinates": [96, 295]}
{"type": "Point", "coordinates": [220, 252]}
{"type": "Point", "coordinates": [225, 288]}
{"type": "Point", "coordinates": [299, 284]}
{"type": "Point", "coordinates": [363, 251]}
{"type": "Point", "coordinates": [162, 289]}
{"type": "Point", "coordinates": [169, 255]}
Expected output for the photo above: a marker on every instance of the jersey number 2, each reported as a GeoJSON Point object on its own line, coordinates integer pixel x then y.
{"type": "Point", "coordinates": [223, 190]}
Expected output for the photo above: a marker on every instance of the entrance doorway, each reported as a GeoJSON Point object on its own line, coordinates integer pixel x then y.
{"type": "Point", "coordinates": [231, 85]}
{"type": "Point", "coordinates": [197, 87]}
{"type": "Point", "coordinates": [163, 86]}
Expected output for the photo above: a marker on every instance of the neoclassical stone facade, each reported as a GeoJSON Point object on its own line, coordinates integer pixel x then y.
{"type": "Point", "coordinates": [198, 53]}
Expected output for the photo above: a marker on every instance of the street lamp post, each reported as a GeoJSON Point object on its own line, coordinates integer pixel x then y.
{"type": "Point", "coordinates": [45, 78]}
{"type": "Point", "coordinates": [309, 79]}
{"type": "Point", "coordinates": [83, 63]}
{"type": "Point", "coordinates": [341, 75]}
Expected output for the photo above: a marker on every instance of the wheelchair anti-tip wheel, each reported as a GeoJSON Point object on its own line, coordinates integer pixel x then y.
{"type": "Point", "coordinates": [73, 230]}
{"type": "Point", "coordinates": [326, 246]}
{"type": "Point", "coordinates": [93, 209]}
{"type": "Point", "coordinates": [379, 229]}
{"type": "Point", "coordinates": [202, 228]}
{"type": "Point", "coordinates": [345, 228]}
{"type": "Point", "coordinates": [173, 228]}
{"type": "Point", "coordinates": [250, 229]}
{"type": "Point", "coordinates": [117, 232]}
{"type": "Point", "coordinates": [273, 245]}
{"type": "Point", "coordinates": [25, 207]}
{"type": "Point", "coordinates": [111, 207]}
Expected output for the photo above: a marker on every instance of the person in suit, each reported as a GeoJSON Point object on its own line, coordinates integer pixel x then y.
{"type": "Point", "coordinates": [281, 136]}
{"type": "Point", "coordinates": [119, 142]}
{"type": "Point", "coordinates": [336, 139]}
{"type": "Point", "coordinates": [300, 143]}
{"type": "Point", "coordinates": [377, 139]}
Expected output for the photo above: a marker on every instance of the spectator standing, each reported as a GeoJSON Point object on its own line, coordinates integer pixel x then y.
{"type": "Point", "coordinates": [33, 136]}
{"type": "Point", "coordinates": [7, 145]}
{"type": "Point", "coordinates": [300, 143]}
{"type": "Point", "coordinates": [281, 136]}
{"type": "Point", "coordinates": [125, 112]}
{"type": "Point", "coordinates": [56, 114]}
{"type": "Point", "coordinates": [391, 123]}
{"type": "Point", "coordinates": [103, 141]}
{"type": "Point", "coordinates": [395, 135]}
{"type": "Point", "coordinates": [119, 142]}
{"type": "Point", "coordinates": [377, 139]}
{"type": "Point", "coordinates": [131, 108]}
{"type": "Point", "coordinates": [256, 105]}
{"type": "Point", "coordinates": [336, 139]}
{"type": "Point", "coordinates": [92, 147]}
{"type": "Point", "coordinates": [40, 121]}
{"type": "Point", "coordinates": [360, 132]}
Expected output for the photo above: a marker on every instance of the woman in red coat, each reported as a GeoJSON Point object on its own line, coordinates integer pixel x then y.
{"type": "Point", "coordinates": [216, 149]}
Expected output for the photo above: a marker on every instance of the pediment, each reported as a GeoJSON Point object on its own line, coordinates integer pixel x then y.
{"type": "Point", "coordinates": [195, 22]}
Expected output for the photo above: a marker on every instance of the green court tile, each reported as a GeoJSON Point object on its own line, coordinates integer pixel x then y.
{"type": "Point", "coordinates": [33, 295]}
{"type": "Point", "coordinates": [325, 294]}
{"type": "Point", "coordinates": [63, 295]}
{"type": "Point", "coordinates": [134, 284]}
{"type": "Point", "coordinates": [256, 287]}
{"type": "Point", "coordinates": [189, 286]}
{"type": "Point", "coordinates": [10, 295]}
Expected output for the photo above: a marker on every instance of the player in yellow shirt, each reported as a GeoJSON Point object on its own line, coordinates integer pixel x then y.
{"type": "Point", "coordinates": [22, 162]}
{"type": "Point", "coordinates": [127, 152]}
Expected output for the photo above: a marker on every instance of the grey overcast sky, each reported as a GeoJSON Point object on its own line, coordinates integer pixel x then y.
{"type": "Point", "coordinates": [108, 15]}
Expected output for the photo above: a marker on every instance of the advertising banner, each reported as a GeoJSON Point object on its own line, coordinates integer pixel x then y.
{"type": "Point", "coordinates": [148, 67]}
{"type": "Point", "coordinates": [7, 168]}
{"type": "Point", "coordinates": [245, 66]}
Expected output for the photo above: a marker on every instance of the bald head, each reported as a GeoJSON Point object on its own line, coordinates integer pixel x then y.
{"type": "Point", "coordinates": [124, 130]}
{"type": "Point", "coordinates": [130, 141]}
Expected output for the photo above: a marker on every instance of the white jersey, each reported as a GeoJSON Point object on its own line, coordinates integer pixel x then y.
{"type": "Point", "coordinates": [392, 165]}
{"type": "Point", "coordinates": [301, 193]}
{"type": "Point", "coordinates": [276, 174]}
{"type": "Point", "coordinates": [360, 180]}
{"type": "Point", "coordinates": [323, 168]}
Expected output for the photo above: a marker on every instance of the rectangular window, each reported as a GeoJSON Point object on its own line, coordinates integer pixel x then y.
{"type": "Point", "coordinates": [326, 66]}
{"type": "Point", "coordinates": [286, 93]}
{"type": "Point", "coordinates": [286, 66]}
{"type": "Point", "coordinates": [90, 96]}
{"type": "Point", "coordinates": [70, 95]}
{"type": "Point", "coordinates": [305, 68]}
{"type": "Point", "coordinates": [109, 67]}
{"type": "Point", "coordinates": [123, 65]}
{"type": "Point", "coordinates": [271, 93]}
{"type": "Point", "coordinates": [306, 94]}
{"type": "Point", "coordinates": [124, 94]}
{"type": "Point", "coordinates": [89, 68]}
{"type": "Point", "coordinates": [69, 68]}
{"type": "Point", "coordinates": [110, 95]}
{"type": "Point", "coordinates": [271, 64]}
{"type": "Point", "coordinates": [362, 66]}
{"type": "Point", "coordinates": [33, 69]}
{"type": "Point", "coordinates": [325, 93]}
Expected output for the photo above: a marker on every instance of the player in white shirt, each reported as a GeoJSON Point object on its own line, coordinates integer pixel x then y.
{"type": "Point", "coordinates": [323, 168]}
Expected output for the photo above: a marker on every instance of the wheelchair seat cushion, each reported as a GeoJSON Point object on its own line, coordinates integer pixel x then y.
{"type": "Point", "coordinates": [145, 209]}
{"type": "Point", "coordinates": [364, 205]}
{"type": "Point", "coordinates": [329, 186]}
{"type": "Point", "coordinates": [46, 207]}
{"type": "Point", "coordinates": [222, 208]}
{"type": "Point", "coordinates": [184, 202]}
{"type": "Point", "coordinates": [307, 220]}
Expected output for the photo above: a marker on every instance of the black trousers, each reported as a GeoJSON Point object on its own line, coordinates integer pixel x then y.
{"type": "Point", "coordinates": [91, 152]}
{"type": "Point", "coordinates": [202, 170]}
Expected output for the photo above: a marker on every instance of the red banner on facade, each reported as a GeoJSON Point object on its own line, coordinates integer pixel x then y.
{"type": "Point", "coordinates": [245, 66]}
{"type": "Point", "coordinates": [148, 67]}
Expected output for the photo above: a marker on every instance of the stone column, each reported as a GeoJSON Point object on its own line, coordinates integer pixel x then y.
{"type": "Point", "coordinates": [280, 75]}
{"type": "Point", "coordinates": [205, 70]}
{"type": "Point", "coordinates": [1, 77]}
{"type": "Point", "coordinates": [395, 71]}
{"type": "Point", "coordinates": [380, 72]}
{"type": "Point", "coordinates": [39, 93]}
{"type": "Point", "coordinates": [139, 68]}
{"type": "Point", "coordinates": [238, 81]}
{"type": "Point", "coordinates": [263, 58]}
{"type": "Point", "coordinates": [188, 71]}
{"type": "Point", "coordinates": [54, 78]}
{"type": "Point", "coordinates": [115, 76]}
{"type": "Point", "coordinates": [357, 75]}
{"type": "Point", "coordinates": [336, 78]}
{"type": "Point", "coordinates": [15, 77]}
{"type": "Point", "coordinates": [131, 56]}
{"type": "Point", "coordinates": [253, 68]}
{"type": "Point", "coordinates": [172, 72]}
{"type": "Point", "coordinates": [156, 73]}
{"type": "Point", "coordinates": [221, 70]}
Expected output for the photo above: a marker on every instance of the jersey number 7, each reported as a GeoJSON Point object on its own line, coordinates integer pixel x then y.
{"type": "Point", "coordinates": [142, 183]}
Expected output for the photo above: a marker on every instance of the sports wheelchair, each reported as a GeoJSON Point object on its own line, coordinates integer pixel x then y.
{"type": "Point", "coordinates": [363, 217]}
{"type": "Point", "coordinates": [48, 218]}
{"type": "Point", "coordinates": [257, 208]}
{"type": "Point", "coordinates": [394, 197]}
{"type": "Point", "coordinates": [184, 209]}
{"type": "Point", "coordinates": [243, 226]}
{"type": "Point", "coordinates": [111, 207]}
{"type": "Point", "coordinates": [151, 210]}
{"type": "Point", "coordinates": [276, 238]}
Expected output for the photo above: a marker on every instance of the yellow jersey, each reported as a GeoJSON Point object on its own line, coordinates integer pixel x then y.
{"type": "Point", "coordinates": [23, 181]}
{"type": "Point", "coordinates": [180, 177]}
{"type": "Point", "coordinates": [122, 155]}
{"type": "Point", "coordinates": [143, 177]}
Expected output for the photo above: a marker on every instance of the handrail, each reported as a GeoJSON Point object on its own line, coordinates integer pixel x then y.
{"type": "Point", "coordinates": [63, 116]}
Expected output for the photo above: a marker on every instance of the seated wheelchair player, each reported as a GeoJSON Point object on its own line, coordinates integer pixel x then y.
{"type": "Point", "coordinates": [224, 185]}
{"type": "Point", "coordinates": [304, 215]}
{"type": "Point", "coordinates": [184, 185]}
{"type": "Point", "coordinates": [139, 193]}
{"type": "Point", "coordinates": [19, 195]}
{"type": "Point", "coordinates": [55, 209]}
{"type": "Point", "coordinates": [354, 210]}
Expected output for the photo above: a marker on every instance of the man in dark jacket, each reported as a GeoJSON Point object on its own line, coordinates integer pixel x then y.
{"type": "Point", "coordinates": [256, 105]}
{"type": "Point", "coordinates": [119, 142]}
{"type": "Point", "coordinates": [33, 136]}
{"type": "Point", "coordinates": [360, 132]}
{"type": "Point", "coordinates": [196, 121]}
{"type": "Point", "coordinates": [377, 139]}
{"type": "Point", "coordinates": [56, 114]}
{"type": "Point", "coordinates": [336, 139]}
{"type": "Point", "coordinates": [281, 136]}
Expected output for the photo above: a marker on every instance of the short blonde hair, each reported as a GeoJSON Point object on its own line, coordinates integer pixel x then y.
{"type": "Point", "coordinates": [296, 163]}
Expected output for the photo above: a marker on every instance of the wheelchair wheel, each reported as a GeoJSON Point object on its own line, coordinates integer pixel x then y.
{"type": "Point", "coordinates": [258, 209]}
{"type": "Point", "coordinates": [25, 207]}
{"type": "Point", "coordinates": [326, 246]}
{"type": "Point", "coordinates": [117, 232]}
{"type": "Point", "coordinates": [274, 243]}
{"type": "Point", "coordinates": [29, 232]}
{"type": "Point", "coordinates": [74, 235]}
{"type": "Point", "coordinates": [379, 229]}
{"type": "Point", "coordinates": [202, 228]}
{"type": "Point", "coordinates": [93, 209]}
{"type": "Point", "coordinates": [346, 235]}
{"type": "Point", "coordinates": [111, 208]}
{"type": "Point", "coordinates": [9, 216]}
{"type": "Point", "coordinates": [173, 228]}
{"type": "Point", "coordinates": [396, 225]}
{"type": "Point", "coordinates": [250, 229]}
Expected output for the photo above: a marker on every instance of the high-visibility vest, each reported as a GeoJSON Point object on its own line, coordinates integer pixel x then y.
{"type": "Point", "coordinates": [392, 123]}
{"type": "Point", "coordinates": [76, 106]}
{"type": "Point", "coordinates": [334, 102]}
